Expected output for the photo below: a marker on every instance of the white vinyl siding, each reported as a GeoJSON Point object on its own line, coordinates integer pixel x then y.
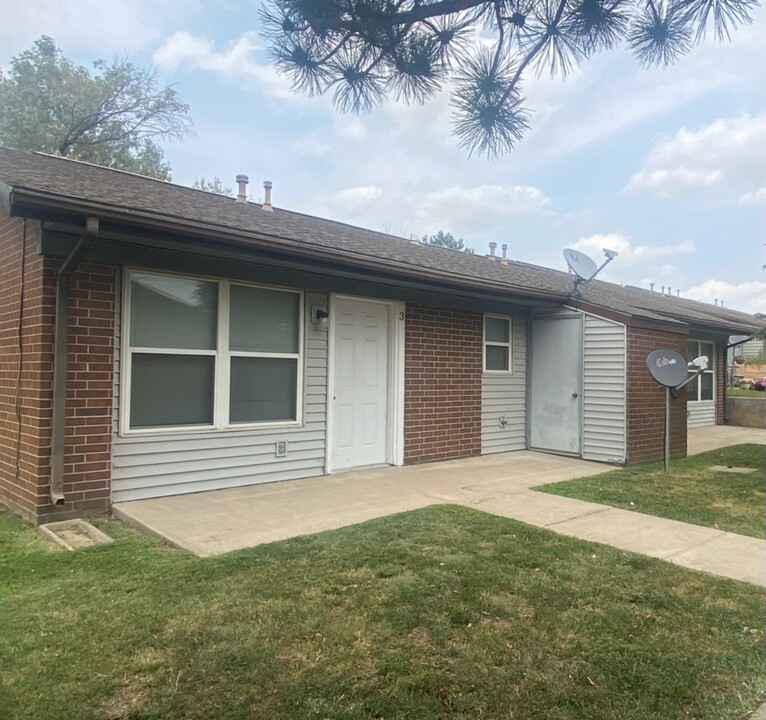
{"type": "Point", "coordinates": [751, 349]}
{"type": "Point", "coordinates": [154, 465]}
{"type": "Point", "coordinates": [700, 414]}
{"type": "Point", "coordinates": [504, 395]}
{"type": "Point", "coordinates": [603, 389]}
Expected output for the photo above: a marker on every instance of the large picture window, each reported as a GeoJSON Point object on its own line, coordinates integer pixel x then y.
{"type": "Point", "coordinates": [497, 344]}
{"type": "Point", "coordinates": [206, 353]}
{"type": "Point", "coordinates": [702, 387]}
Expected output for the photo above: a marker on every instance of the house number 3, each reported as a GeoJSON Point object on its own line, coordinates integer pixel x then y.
{"type": "Point", "coordinates": [401, 316]}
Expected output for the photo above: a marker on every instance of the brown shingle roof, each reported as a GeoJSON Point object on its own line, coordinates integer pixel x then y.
{"type": "Point", "coordinates": [58, 179]}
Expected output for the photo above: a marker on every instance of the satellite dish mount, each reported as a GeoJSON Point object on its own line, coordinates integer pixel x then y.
{"type": "Point", "coordinates": [671, 370]}
{"type": "Point", "coordinates": [584, 268]}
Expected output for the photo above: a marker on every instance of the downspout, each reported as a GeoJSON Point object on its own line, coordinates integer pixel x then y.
{"type": "Point", "coordinates": [60, 348]}
{"type": "Point", "coordinates": [727, 380]}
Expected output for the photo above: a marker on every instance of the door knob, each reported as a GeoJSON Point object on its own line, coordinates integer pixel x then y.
{"type": "Point", "coordinates": [574, 395]}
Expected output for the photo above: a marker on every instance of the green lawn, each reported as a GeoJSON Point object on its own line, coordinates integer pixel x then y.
{"type": "Point", "coordinates": [690, 492]}
{"type": "Point", "coordinates": [440, 612]}
{"type": "Point", "coordinates": [741, 392]}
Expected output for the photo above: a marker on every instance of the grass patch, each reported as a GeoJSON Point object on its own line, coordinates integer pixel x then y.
{"type": "Point", "coordinates": [440, 612]}
{"type": "Point", "coordinates": [742, 392]}
{"type": "Point", "coordinates": [690, 492]}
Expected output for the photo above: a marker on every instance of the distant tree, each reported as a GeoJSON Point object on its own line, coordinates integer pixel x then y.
{"type": "Point", "coordinates": [112, 118]}
{"type": "Point", "coordinates": [367, 50]}
{"type": "Point", "coordinates": [446, 240]}
{"type": "Point", "coordinates": [215, 186]}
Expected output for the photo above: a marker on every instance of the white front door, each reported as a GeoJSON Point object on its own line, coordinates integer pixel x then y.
{"type": "Point", "coordinates": [360, 393]}
{"type": "Point", "coordinates": [556, 384]}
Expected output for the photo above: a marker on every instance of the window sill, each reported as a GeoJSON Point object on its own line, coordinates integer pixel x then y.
{"type": "Point", "coordinates": [208, 429]}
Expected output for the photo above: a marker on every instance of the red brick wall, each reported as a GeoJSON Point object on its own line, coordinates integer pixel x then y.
{"type": "Point", "coordinates": [90, 368]}
{"type": "Point", "coordinates": [646, 400]}
{"type": "Point", "coordinates": [25, 366]}
{"type": "Point", "coordinates": [442, 402]}
{"type": "Point", "coordinates": [26, 380]}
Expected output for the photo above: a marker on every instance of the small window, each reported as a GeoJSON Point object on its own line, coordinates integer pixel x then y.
{"type": "Point", "coordinates": [497, 343]}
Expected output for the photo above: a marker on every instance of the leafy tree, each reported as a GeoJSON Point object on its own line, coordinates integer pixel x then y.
{"type": "Point", "coordinates": [112, 118]}
{"type": "Point", "coordinates": [215, 186]}
{"type": "Point", "coordinates": [446, 240]}
{"type": "Point", "coordinates": [366, 50]}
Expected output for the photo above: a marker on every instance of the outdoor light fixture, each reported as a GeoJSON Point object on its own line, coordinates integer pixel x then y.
{"type": "Point", "coordinates": [319, 316]}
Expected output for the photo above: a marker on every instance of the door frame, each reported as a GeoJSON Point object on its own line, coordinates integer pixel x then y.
{"type": "Point", "coordinates": [560, 315]}
{"type": "Point", "coordinates": [395, 384]}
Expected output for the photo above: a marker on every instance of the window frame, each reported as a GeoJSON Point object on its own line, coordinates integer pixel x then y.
{"type": "Point", "coordinates": [221, 353]}
{"type": "Point", "coordinates": [493, 343]}
{"type": "Point", "coordinates": [710, 371]}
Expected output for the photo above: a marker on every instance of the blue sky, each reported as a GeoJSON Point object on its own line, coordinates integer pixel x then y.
{"type": "Point", "coordinates": [668, 167]}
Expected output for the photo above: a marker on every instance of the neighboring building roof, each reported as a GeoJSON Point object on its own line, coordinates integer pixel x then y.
{"type": "Point", "coordinates": [53, 182]}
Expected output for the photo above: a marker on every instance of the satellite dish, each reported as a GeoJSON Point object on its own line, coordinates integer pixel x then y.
{"type": "Point", "coordinates": [584, 268]}
{"type": "Point", "coordinates": [580, 264]}
{"type": "Point", "coordinates": [667, 367]}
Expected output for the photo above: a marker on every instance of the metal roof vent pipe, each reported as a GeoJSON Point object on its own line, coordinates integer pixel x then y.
{"type": "Point", "coordinates": [267, 196]}
{"type": "Point", "coordinates": [492, 247]}
{"type": "Point", "coordinates": [663, 289]}
{"type": "Point", "coordinates": [504, 259]}
{"type": "Point", "coordinates": [651, 287]}
{"type": "Point", "coordinates": [678, 293]}
{"type": "Point", "coordinates": [242, 181]}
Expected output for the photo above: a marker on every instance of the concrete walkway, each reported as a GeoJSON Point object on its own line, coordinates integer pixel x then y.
{"type": "Point", "coordinates": [718, 436]}
{"type": "Point", "coordinates": [220, 521]}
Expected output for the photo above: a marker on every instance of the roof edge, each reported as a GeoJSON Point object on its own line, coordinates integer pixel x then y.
{"type": "Point", "coordinates": [24, 199]}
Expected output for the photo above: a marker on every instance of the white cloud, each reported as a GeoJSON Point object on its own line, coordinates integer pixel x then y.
{"type": "Point", "coordinates": [349, 128]}
{"type": "Point", "coordinates": [498, 199]}
{"type": "Point", "coordinates": [312, 145]}
{"type": "Point", "coordinates": [103, 27]}
{"type": "Point", "coordinates": [758, 197]}
{"type": "Point", "coordinates": [630, 254]}
{"type": "Point", "coordinates": [477, 213]}
{"type": "Point", "coordinates": [668, 271]}
{"type": "Point", "coordinates": [747, 296]}
{"type": "Point", "coordinates": [237, 63]}
{"type": "Point", "coordinates": [469, 211]}
{"type": "Point", "coordinates": [665, 182]}
{"type": "Point", "coordinates": [356, 198]}
{"type": "Point", "coordinates": [615, 94]}
{"type": "Point", "coordinates": [729, 151]}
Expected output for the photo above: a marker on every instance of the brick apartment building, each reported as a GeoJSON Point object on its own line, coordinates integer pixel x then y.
{"type": "Point", "coordinates": [157, 340]}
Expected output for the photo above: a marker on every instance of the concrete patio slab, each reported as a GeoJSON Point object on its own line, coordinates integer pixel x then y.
{"type": "Point", "coordinates": [717, 436]}
{"type": "Point", "coordinates": [220, 521]}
